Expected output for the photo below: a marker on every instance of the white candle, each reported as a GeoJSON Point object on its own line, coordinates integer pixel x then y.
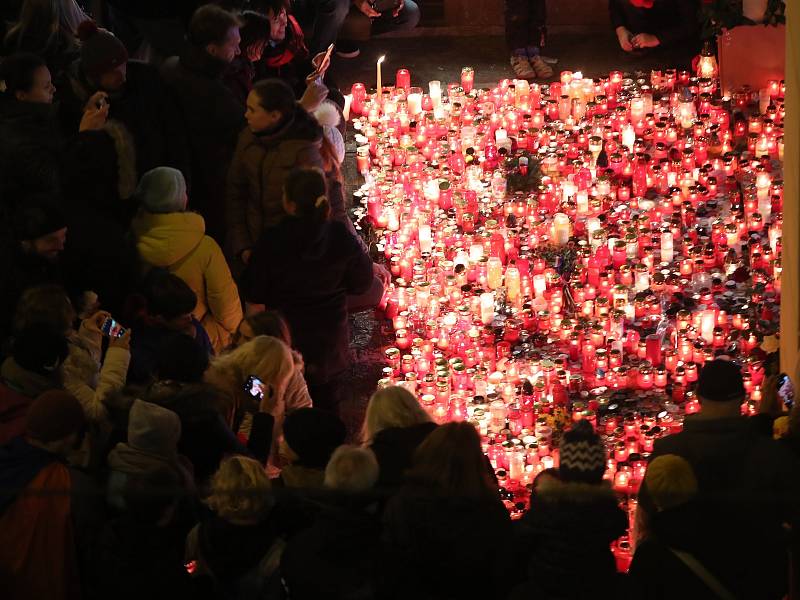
{"type": "Point", "coordinates": [582, 201]}
{"type": "Point", "coordinates": [500, 136]}
{"type": "Point", "coordinates": [379, 87]}
{"type": "Point", "coordinates": [425, 238]}
{"type": "Point", "coordinates": [637, 109]}
{"type": "Point", "coordinates": [435, 91]}
{"type": "Point", "coordinates": [628, 136]}
{"type": "Point", "coordinates": [561, 228]}
{"type": "Point", "coordinates": [707, 322]}
{"type": "Point", "coordinates": [539, 285]}
{"type": "Point", "coordinates": [414, 104]}
{"type": "Point", "coordinates": [666, 247]}
{"type": "Point", "coordinates": [348, 102]}
{"type": "Point", "coordinates": [487, 307]}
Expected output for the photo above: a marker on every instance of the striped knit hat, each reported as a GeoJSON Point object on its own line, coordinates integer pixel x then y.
{"type": "Point", "coordinates": [582, 457]}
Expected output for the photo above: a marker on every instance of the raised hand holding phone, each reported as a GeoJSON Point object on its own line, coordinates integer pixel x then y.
{"type": "Point", "coordinates": [321, 62]}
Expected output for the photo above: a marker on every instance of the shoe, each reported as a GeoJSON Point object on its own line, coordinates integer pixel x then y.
{"type": "Point", "coordinates": [522, 67]}
{"type": "Point", "coordinates": [549, 59]}
{"type": "Point", "coordinates": [541, 68]}
{"type": "Point", "coordinates": [347, 49]}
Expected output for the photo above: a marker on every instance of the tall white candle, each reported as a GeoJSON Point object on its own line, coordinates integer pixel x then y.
{"type": "Point", "coordinates": [379, 86]}
{"type": "Point", "coordinates": [435, 91]}
{"type": "Point", "coordinates": [414, 104]}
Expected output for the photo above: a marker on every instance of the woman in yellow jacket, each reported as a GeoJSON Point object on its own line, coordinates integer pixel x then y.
{"type": "Point", "coordinates": [170, 237]}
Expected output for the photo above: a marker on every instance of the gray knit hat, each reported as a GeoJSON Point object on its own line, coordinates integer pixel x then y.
{"type": "Point", "coordinates": [162, 190]}
{"type": "Point", "coordinates": [582, 457]}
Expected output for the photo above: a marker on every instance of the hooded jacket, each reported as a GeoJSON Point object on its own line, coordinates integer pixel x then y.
{"type": "Point", "coordinates": [306, 271]}
{"type": "Point", "coordinates": [258, 171]}
{"type": "Point", "coordinates": [153, 434]}
{"type": "Point", "coordinates": [177, 241]}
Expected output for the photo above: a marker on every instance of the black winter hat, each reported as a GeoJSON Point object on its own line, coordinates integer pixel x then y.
{"type": "Point", "coordinates": [40, 349]}
{"type": "Point", "coordinates": [720, 381]}
{"type": "Point", "coordinates": [101, 50]}
{"type": "Point", "coordinates": [313, 434]}
{"type": "Point", "coordinates": [582, 457]}
{"type": "Point", "coordinates": [37, 219]}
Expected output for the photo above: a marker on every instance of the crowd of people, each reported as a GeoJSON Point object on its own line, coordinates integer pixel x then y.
{"type": "Point", "coordinates": [177, 267]}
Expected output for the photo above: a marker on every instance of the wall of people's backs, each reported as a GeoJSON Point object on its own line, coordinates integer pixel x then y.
{"type": "Point", "coordinates": [561, 14]}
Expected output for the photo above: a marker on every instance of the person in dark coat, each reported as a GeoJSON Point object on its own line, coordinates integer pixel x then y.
{"type": "Point", "coordinates": [307, 247]}
{"type": "Point", "coordinates": [444, 531]}
{"type": "Point", "coordinates": [675, 535]}
{"type": "Point", "coordinates": [140, 554]}
{"type": "Point", "coordinates": [743, 478]}
{"type": "Point", "coordinates": [236, 547]}
{"type": "Point", "coordinates": [44, 29]}
{"type": "Point", "coordinates": [572, 520]}
{"type": "Point", "coordinates": [394, 427]}
{"type": "Point", "coordinates": [659, 26]}
{"type": "Point", "coordinates": [168, 303]}
{"type": "Point", "coordinates": [337, 556]}
{"type": "Point", "coordinates": [212, 115]}
{"type": "Point", "coordinates": [30, 254]}
{"type": "Point", "coordinates": [32, 369]}
{"type": "Point", "coordinates": [280, 135]}
{"type": "Point", "coordinates": [273, 46]}
{"type": "Point", "coordinates": [136, 97]}
{"type": "Point", "coordinates": [38, 507]}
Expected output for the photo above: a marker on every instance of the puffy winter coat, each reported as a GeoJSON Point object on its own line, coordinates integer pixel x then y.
{"type": "Point", "coordinates": [177, 242]}
{"type": "Point", "coordinates": [258, 171]}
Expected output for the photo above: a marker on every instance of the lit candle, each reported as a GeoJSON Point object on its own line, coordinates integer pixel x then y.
{"type": "Point", "coordinates": [561, 228]}
{"type": "Point", "coordinates": [435, 92]}
{"type": "Point", "coordinates": [403, 79]}
{"type": "Point", "coordinates": [379, 86]}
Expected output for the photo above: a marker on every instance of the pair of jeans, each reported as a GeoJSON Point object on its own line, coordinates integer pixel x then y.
{"type": "Point", "coordinates": [525, 23]}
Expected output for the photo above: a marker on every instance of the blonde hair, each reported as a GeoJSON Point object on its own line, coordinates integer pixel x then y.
{"type": "Point", "coordinates": [240, 490]}
{"type": "Point", "coordinates": [351, 469]}
{"type": "Point", "coordinates": [265, 357]}
{"type": "Point", "coordinates": [670, 481]}
{"type": "Point", "coordinates": [392, 406]}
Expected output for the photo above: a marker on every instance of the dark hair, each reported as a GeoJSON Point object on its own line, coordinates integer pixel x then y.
{"type": "Point", "coordinates": [46, 304]}
{"type": "Point", "coordinates": [271, 322]}
{"type": "Point", "coordinates": [41, 349]}
{"type": "Point", "coordinates": [275, 94]}
{"type": "Point", "coordinates": [167, 295]}
{"type": "Point", "coordinates": [180, 358]}
{"type": "Point", "coordinates": [210, 25]}
{"type": "Point", "coordinates": [17, 72]}
{"type": "Point", "coordinates": [307, 189]}
{"type": "Point", "coordinates": [450, 462]}
{"type": "Point", "coordinates": [270, 6]}
{"type": "Point", "coordinates": [34, 29]}
{"type": "Point", "coordinates": [38, 215]}
{"type": "Point", "coordinates": [254, 32]}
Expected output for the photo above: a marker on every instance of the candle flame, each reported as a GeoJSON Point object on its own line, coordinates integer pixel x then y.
{"type": "Point", "coordinates": [381, 59]}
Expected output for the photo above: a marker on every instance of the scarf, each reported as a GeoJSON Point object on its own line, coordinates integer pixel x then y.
{"type": "Point", "coordinates": [293, 46]}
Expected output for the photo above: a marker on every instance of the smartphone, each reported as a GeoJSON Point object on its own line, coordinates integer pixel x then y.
{"type": "Point", "coordinates": [112, 329]}
{"type": "Point", "coordinates": [325, 59]}
{"type": "Point", "coordinates": [786, 390]}
{"type": "Point", "coordinates": [254, 387]}
{"type": "Point", "coordinates": [101, 102]}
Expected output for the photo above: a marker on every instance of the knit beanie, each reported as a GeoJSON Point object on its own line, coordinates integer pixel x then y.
{"type": "Point", "coordinates": [53, 416]}
{"type": "Point", "coordinates": [720, 381]}
{"type": "Point", "coordinates": [153, 429]}
{"type": "Point", "coordinates": [101, 50]}
{"type": "Point", "coordinates": [313, 434]}
{"type": "Point", "coordinates": [162, 190]}
{"type": "Point", "coordinates": [38, 219]}
{"type": "Point", "coordinates": [670, 481]}
{"type": "Point", "coordinates": [582, 457]}
{"type": "Point", "coordinates": [327, 115]}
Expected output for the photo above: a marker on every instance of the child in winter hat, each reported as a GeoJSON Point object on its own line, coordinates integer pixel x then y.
{"type": "Point", "coordinates": [328, 116]}
{"type": "Point", "coordinates": [162, 190]}
{"type": "Point", "coordinates": [581, 455]}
